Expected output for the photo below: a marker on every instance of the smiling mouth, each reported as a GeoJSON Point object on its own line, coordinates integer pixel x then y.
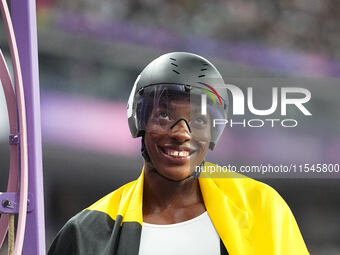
{"type": "Point", "coordinates": [177, 153]}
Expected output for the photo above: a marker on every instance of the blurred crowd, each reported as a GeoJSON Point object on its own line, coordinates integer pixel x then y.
{"type": "Point", "coordinates": [299, 25]}
{"type": "Point", "coordinates": [87, 69]}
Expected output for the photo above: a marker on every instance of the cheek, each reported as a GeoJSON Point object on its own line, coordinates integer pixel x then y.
{"type": "Point", "coordinates": [202, 135]}
{"type": "Point", "coordinates": [203, 147]}
{"type": "Point", "coordinates": [151, 140]}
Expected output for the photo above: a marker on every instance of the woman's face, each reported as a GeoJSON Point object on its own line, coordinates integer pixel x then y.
{"type": "Point", "coordinates": [175, 149]}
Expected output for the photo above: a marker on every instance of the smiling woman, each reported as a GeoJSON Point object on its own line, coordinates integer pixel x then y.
{"type": "Point", "coordinates": [175, 140]}
{"type": "Point", "coordinates": [164, 211]}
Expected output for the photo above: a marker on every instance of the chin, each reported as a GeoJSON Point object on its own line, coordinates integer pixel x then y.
{"type": "Point", "coordinates": [176, 173]}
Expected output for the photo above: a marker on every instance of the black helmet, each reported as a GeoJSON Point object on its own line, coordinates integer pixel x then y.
{"type": "Point", "coordinates": [173, 75]}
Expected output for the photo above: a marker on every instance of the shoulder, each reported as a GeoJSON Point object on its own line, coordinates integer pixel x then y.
{"type": "Point", "coordinates": [110, 203]}
{"type": "Point", "coordinates": [100, 210]}
{"type": "Point", "coordinates": [86, 233]}
{"type": "Point", "coordinates": [249, 194]}
{"type": "Point", "coordinates": [90, 229]}
{"type": "Point", "coordinates": [104, 210]}
{"type": "Point", "coordinates": [270, 218]}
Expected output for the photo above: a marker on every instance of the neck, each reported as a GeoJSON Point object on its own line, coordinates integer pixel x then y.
{"type": "Point", "coordinates": [161, 193]}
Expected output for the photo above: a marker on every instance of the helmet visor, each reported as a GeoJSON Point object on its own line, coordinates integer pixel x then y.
{"type": "Point", "coordinates": [160, 108]}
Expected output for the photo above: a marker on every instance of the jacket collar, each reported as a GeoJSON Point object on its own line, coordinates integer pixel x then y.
{"type": "Point", "coordinates": [231, 222]}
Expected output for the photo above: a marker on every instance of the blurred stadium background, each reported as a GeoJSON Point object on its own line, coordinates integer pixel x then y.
{"type": "Point", "coordinates": [90, 53]}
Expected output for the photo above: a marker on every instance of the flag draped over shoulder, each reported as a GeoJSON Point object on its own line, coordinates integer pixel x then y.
{"type": "Point", "coordinates": [249, 216]}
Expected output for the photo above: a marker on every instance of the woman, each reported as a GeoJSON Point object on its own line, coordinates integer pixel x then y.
{"type": "Point", "coordinates": [173, 207]}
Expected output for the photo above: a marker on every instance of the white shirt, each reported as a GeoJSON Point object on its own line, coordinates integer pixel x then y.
{"type": "Point", "coordinates": [196, 236]}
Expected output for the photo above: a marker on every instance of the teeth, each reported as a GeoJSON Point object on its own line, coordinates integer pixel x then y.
{"type": "Point", "coordinates": [178, 153]}
{"type": "Point", "coordinates": [184, 153]}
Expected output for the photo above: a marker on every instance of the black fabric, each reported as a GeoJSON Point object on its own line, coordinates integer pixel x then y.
{"type": "Point", "coordinates": [129, 238]}
{"type": "Point", "coordinates": [95, 233]}
{"type": "Point", "coordinates": [223, 248]}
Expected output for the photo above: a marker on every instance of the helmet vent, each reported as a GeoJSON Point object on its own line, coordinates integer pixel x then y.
{"type": "Point", "coordinates": [203, 69]}
{"type": "Point", "coordinates": [174, 64]}
{"type": "Point", "coordinates": [176, 71]}
{"type": "Point", "coordinates": [173, 59]}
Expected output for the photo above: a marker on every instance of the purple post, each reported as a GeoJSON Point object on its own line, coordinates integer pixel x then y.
{"type": "Point", "coordinates": [25, 28]}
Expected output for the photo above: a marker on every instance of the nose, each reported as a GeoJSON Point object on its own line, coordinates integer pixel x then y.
{"type": "Point", "coordinates": [180, 131]}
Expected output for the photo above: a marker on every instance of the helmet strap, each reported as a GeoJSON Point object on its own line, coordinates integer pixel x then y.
{"type": "Point", "coordinates": [144, 151]}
